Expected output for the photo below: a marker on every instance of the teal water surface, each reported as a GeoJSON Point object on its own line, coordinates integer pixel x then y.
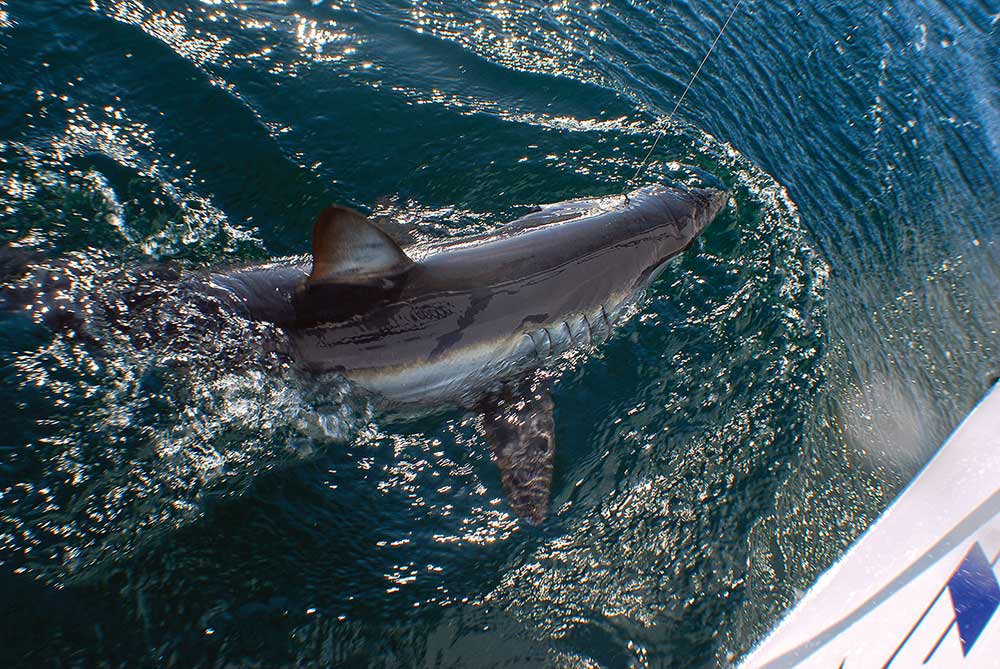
{"type": "Point", "coordinates": [196, 503]}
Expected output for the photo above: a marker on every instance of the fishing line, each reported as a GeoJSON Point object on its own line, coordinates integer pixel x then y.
{"type": "Point", "coordinates": [663, 124]}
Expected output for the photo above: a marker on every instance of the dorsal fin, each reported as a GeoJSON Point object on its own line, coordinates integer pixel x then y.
{"type": "Point", "coordinates": [348, 248]}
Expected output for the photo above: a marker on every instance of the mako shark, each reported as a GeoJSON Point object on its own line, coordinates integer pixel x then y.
{"type": "Point", "coordinates": [471, 323]}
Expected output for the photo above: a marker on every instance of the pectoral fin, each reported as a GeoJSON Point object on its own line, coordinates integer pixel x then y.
{"type": "Point", "coordinates": [521, 432]}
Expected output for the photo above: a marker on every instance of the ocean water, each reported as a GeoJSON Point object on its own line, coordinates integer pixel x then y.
{"type": "Point", "coordinates": [195, 503]}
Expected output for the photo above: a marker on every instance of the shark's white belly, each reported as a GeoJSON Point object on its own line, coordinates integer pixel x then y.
{"type": "Point", "coordinates": [464, 374]}
{"type": "Point", "coordinates": [459, 377]}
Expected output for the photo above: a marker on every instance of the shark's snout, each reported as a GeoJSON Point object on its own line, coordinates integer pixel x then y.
{"type": "Point", "coordinates": [702, 204]}
{"type": "Point", "coordinates": [709, 202]}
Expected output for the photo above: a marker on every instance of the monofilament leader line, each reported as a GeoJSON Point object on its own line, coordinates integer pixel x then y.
{"type": "Point", "coordinates": [669, 118]}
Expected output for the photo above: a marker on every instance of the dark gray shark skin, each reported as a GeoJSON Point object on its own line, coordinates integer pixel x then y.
{"type": "Point", "coordinates": [470, 323]}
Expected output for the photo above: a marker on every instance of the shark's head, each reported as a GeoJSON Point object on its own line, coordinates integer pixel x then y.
{"type": "Point", "coordinates": [674, 215]}
{"type": "Point", "coordinates": [707, 203]}
{"type": "Point", "coordinates": [657, 222]}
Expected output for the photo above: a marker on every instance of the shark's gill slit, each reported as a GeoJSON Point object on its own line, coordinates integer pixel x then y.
{"type": "Point", "coordinates": [607, 321]}
{"type": "Point", "coordinates": [534, 344]}
{"type": "Point", "coordinates": [548, 339]}
{"type": "Point", "coordinates": [569, 334]}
